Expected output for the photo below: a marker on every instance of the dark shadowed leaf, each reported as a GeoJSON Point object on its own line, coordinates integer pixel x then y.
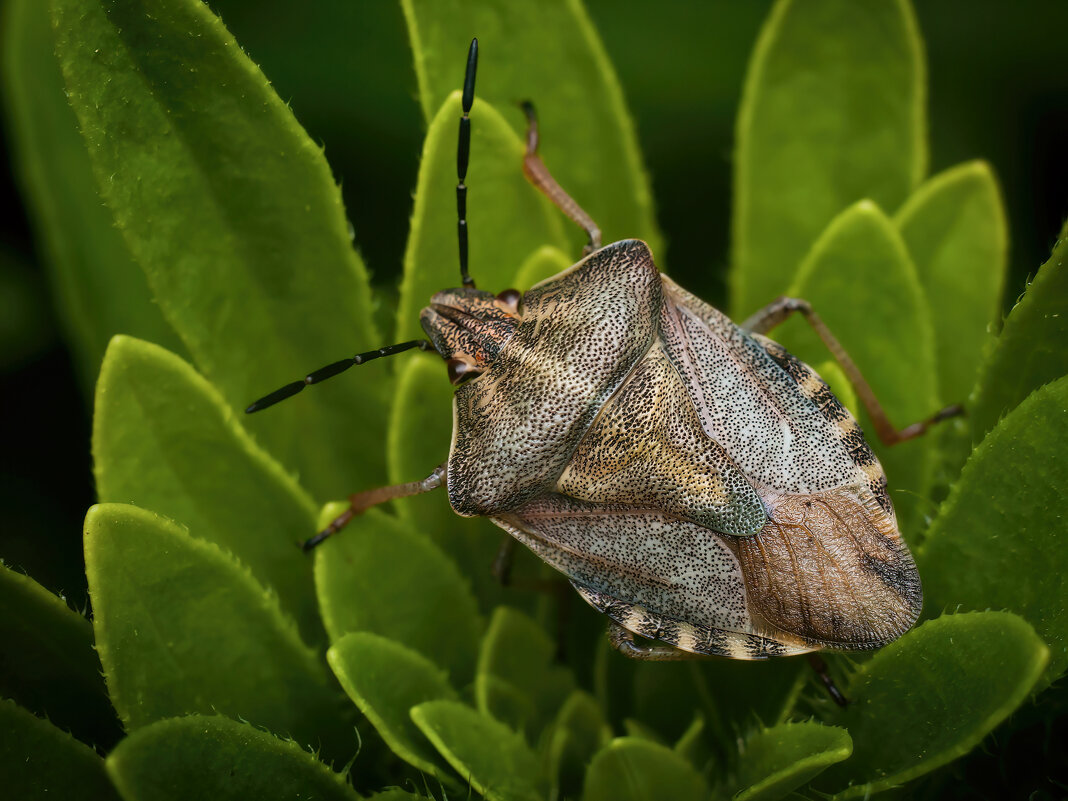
{"type": "Point", "coordinates": [932, 696]}
{"type": "Point", "coordinates": [548, 53]}
{"type": "Point", "coordinates": [218, 758]}
{"type": "Point", "coordinates": [233, 214]}
{"type": "Point", "coordinates": [385, 680]}
{"type": "Point", "coordinates": [773, 762]}
{"type": "Point", "coordinates": [997, 542]}
{"type": "Point", "coordinates": [578, 733]}
{"type": "Point", "coordinates": [47, 661]}
{"type": "Point", "coordinates": [811, 139]}
{"type": "Point", "coordinates": [164, 439]}
{"type": "Point", "coordinates": [182, 627]}
{"type": "Point", "coordinates": [40, 761]}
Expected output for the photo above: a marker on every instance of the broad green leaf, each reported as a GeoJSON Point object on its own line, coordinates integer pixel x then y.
{"type": "Point", "coordinates": [395, 794]}
{"type": "Point", "coordinates": [47, 661]}
{"type": "Point", "coordinates": [1032, 349]}
{"type": "Point", "coordinates": [578, 733]}
{"type": "Point", "coordinates": [775, 761]}
{"type": "Point", "coordinates": [420, 435]}
{"type": "Point", "coordinates": [629, 769]}
{"type": "Point", "coordinates": [99, 288]}
{"type": "Point", "coordinates": [955, 229]}
{"type": "Point", "coordinates": [859, 279]}
{"type": "Point", "coordinates": [518, 680]}
{"type": "Point", "coordinates": [548, 53]}
{"type": "Point", "coordinates": [163, 439]}
{"type": "Point", "coordinates": [832, 112]}
{"type": "Point", "coordinates": [932, 696]}
{"type": "Point", "coordinates": [379, 576]}
{"type": "Point", "coordinates": [181, 627]}
{"type": "Point", "coordinates": [385, 680]}
{"type": "Point", "coordinates": [231, 211]}
{"type": "Point", "coordinates": [545, 262]}
{"type": "Point", "coordinates": [506, 217]}
{"type": "Point", "coordinates": [214, 757]}
{"type": "Point", "coordinates": [487, 754]}
{"type": "Point", "coordinates": [998, 540]}
{"type": "Point", "coordinates": [40, 761]}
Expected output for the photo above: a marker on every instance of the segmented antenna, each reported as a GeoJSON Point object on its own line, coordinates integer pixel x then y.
{"type": "Point", "coordinates": [463, 152]}
{"type": "Point", "coordinates": [331, 370]}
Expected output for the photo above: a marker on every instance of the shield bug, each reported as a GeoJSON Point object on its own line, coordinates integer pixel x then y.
{"type": "Point", "coordinates": [693, 480]}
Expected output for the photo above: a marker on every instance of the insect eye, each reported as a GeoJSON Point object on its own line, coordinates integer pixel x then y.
{"type": "Point", "coordinates": [509, 299]}
{"type": "Point", "coordinates": [461, 370]}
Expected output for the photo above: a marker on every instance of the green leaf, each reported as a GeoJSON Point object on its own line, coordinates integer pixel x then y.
{"type": "Point", "coordinates": [385, 680]}
{"type": "Point", "coordinates": [773, 762]}
{"type": "Point", "coordinates": [379, 576]}
{"type": "Point", "coordinates": [100, 289]}
{"type": "Point", "coordinates": [548, 53]}
{"type": "Point", "coordinates": [218, 758]}
{"type": "Point", "coordinates": [518, 681]}
{"type": "Point", "coordinates": [629, 769]}
{"type": "Point", "coordinates": [506, 216]}
{"type": "Point", "coordinates": [932, 696]}
{"type": "Point", "coordinates": [545, 262]}
{"type": "Point", "coordinates": [812, 139]}
{"type": "Point", "coordinates": [420, 436]}
{"type": "Point", "coordinates": [997, 542]}
{"type": "Point", "coordinates": [231, 211]}
{"type": "Point", "coordinates": [1032, 349]}
{"type": "Point", "coordinates": [859, 279]}
{"type": "Point", "coordinates": [487, 754]}
{"type": "Point", "coordinates": [955, 229]}
{"type": "Point", "coordinates": [163, 439]}
{"type": "Point", "coordinates": [47, 661]}
{"type": "Point", "coordinates": [181, 627]}
{"type": "Point", "coordinates": [578, 733]}
{"type": "Point", "coordinates": [39, 761]}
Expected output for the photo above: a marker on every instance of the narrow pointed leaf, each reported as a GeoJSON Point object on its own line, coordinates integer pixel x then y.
{"type": "Point", "coordinates": [545, 262]}
{"type": "Point", "coordinates": [47, 661]}
{"type": "Point", "coordinates": [379, 576]}
{"type": "Point", "coordinates": [163, 439]}
{"type": "Point", "coordinates": [629, 769]}
{"type": "Point", "coordinates": [776, 761]}
{"type": "Point", "coordinates": [811, 140]}
{"type": "Point", "coordinates": [518, 681]}
{"type": "Point", "coordinates": [99, 288]}
{"type": "Point", "coordinates": [932, 696]}
{"type": "Point", "coordinates": [860, 280]}
{"type": "Point", "coordinates": [548, 53]}
{"type": "Point", "coordinates": [493, 758]}
{"type": "Point", "coordinates": [955, 229]}
{"type": "Point", "coordinates": [231, 211]}
{"type": "Point", "coordinates": [1032, 348]}
{"type": "Point", "coordinates": [40, 761]}
{"type": "Point", "coordinates": [385, 680]}
{"type": "Point", "coordinates": [181, 627]}
{"type": "Point", "coordinates": [507, 218]}
{"type": "Point", "coordinates": [213, 757]}
{"type": "Point", "coordinates": [419, 439]}
{"type": "Point", "coordinates": [997, 543]}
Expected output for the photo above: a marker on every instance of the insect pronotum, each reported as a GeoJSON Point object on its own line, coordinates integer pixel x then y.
{"type": "Point", "coordinates": [693, 481]}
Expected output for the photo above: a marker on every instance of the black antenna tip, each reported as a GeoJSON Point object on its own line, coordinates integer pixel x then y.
{"type": "Point", "coordinates": [469, 76]}
{"type": "Point", "coordinates": [288, 391]}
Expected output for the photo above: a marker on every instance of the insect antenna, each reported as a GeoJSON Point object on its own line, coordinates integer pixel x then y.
{"type": "Point", "coordinates": [331, 370]}
{"type": "Point", "coordinates": [463, 152]}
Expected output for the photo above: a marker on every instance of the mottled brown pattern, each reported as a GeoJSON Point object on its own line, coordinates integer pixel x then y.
{"type": "Point", "coordinates": [832, 568]}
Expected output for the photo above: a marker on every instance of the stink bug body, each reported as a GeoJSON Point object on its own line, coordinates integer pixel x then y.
{"type": "Point", "coordinates": [694, 481]}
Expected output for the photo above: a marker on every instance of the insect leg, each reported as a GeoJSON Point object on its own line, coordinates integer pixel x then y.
{"type": "Point", "coordinates": [362, 501]}
{"type": "Point", "coordinates": [623, 641]}
{"type": "Point", "coordinates": [779, 310]}
{"type": "Point", "coordinates": [538, 174]}
{"type": "Point", "coordinates": [832, 689]}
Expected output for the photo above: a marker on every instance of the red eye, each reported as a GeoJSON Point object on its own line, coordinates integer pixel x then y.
{"type": "Point", "coordinates": [461, 371]}
{"type": "Point", "coordinates": [510, 298]}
